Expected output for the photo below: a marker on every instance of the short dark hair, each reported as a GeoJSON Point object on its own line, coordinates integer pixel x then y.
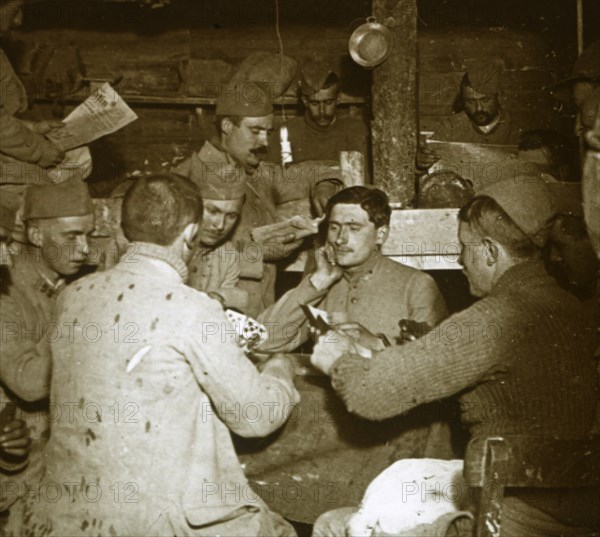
{"type": "Point", "coordinates": [374, 201]}
{"type": "Point", "coordinates": [157, 208]}
{"type": "Point", "coordinates": [486, 217]}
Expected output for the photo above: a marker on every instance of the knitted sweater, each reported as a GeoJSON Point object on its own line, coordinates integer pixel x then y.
{"type": "Point", "coordinates": [520, 361]}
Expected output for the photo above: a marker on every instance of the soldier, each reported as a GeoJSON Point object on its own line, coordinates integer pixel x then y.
{"type": "Point", "coordinates": [244, 121]}
{"type": "Point", "coordinates": [58, 220]}
{"type": "Point", "coordinates": [14, 436]}
{"type": "Point", "coordinates": [322, 133]}
{"type": "Point", "coordinates": [215, 264]}
{"type": "Point", "coordinates": [160, 384]}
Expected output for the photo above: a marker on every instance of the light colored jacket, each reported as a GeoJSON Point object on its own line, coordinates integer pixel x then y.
{"type": "Point", "coordinates": [156, 385]}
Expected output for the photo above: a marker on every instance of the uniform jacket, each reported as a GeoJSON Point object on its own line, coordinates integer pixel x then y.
{"type": "Point", "coordinates": [378, 296]}
{"type": "Point", "coordinates": [26, 327]}
{"type": "Point", "coordinates": [218, 270]}
{"type": "Point", "coordinates": [157, 386]}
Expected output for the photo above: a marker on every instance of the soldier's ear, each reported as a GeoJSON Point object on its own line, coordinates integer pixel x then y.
{"type": "Point", "coordinates": [382, 234]}
{"type": "Point", "coordinates": [34, 233]}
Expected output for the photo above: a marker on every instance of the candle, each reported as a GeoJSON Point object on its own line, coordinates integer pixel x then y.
{"type": "Point", "coordinates": [286, 147]}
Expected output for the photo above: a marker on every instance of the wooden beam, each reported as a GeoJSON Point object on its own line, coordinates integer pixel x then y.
{"type": "Point", "coordinates": [394, 126]}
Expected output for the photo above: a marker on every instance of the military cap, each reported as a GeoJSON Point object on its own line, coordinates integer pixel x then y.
{"type": "Point", "coordinates": [484, 76]}
{"type": "Point", "coordinates": [245, 99]}
{"type": "Point", "coordinates": [586, 68]}
{"type": "Point", "coordinates": [528, 202]}
{"type": "Point", "coordinates": [219, 180]}
{"type": "Point", "coordinates": [70, 198]}
{"type": "Point", "coordinates": [315, 76]}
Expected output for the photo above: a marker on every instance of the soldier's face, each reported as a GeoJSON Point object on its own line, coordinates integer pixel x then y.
{"type": "Point", "coordinates": [481, 108]}
{"type": "Point", "coordinates": [63, 241]}
{"type": "Point", "coordinates": [353, 236]}
{"type": "Point", "coordinates": [322, 106]}
{"type": "Point", "coordinates": [218, 220]}
{"type": "Point", "coordinates": [473, 254]}
{"type": "Point", "coordinates": [248, 142]}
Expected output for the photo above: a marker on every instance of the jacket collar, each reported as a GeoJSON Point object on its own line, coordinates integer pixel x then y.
{"type": "Point", "coordinates": [154, 253]}
{"type": "Point", "coordinates": [365, 271]}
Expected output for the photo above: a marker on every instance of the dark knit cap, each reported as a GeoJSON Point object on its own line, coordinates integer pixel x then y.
{"type": "Point", "coordinates": [528, 202]}
{"type": "Point", "coordinates": [244, 99]}
{"type": "Point", "coordinates": [70, 198]}
{"type": "Point", "coordinates": [315, 76]}
{"type": "Point", "coordinates": [484, 76]}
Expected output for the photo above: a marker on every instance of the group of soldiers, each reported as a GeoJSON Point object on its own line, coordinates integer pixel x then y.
{"type": "Point", "coordinates": [120, 389]}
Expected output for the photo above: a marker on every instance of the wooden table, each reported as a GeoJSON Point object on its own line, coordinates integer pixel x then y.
{"type": "Point", "coordinates": [324, 457]}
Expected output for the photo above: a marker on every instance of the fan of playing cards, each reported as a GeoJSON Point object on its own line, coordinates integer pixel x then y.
{"type": "Point", "coordinates": [250, 333]}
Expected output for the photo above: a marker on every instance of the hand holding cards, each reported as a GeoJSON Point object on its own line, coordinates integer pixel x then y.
{"type": "Point", "coordinates": [250, 333]}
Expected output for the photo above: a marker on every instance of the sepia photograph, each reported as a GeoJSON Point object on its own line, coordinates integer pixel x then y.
{"type": "Point", "coordinates": [299, 268]}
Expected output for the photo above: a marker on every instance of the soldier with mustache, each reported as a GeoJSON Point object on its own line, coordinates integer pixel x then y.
{"type": "Point", "coordinates": [322, 133]}
{"type": "Point", "coordinates": [479, 117]}
{"type": "Point", "coordinates": [244, 119]}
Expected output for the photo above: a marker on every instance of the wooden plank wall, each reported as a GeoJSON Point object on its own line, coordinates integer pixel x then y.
{"type": "Point", "coordinates": [156, 68]}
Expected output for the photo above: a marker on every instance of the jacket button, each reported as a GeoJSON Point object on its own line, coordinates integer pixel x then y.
{"type": "Point", "coordinates": [354, 300]}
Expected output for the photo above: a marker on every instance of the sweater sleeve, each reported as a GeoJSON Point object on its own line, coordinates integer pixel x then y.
{"type": "Point", "coordinates": [231, 380]}
{"type": "Point", "coordinates": [25, 364]}
{"type": "Point", "coordinates": [453, 356]}
{"type": "Point", "coordinates": [425, 301]}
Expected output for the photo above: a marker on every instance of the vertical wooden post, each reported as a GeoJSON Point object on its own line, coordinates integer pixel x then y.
{"type": "Point", "coordinates": [394, 126]}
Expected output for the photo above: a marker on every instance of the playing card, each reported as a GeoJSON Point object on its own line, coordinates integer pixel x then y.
{"type": "Point", "coordinates": [249, 331]}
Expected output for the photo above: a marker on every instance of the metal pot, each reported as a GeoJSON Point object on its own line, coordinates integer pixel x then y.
{"type": "Point", "coordinates": [370, 44]}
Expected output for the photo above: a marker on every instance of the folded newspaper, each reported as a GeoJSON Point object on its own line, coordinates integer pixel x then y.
{"type": "Point", "coordinates": [300, 226]}
{"type": "Point", "coordinates": [102, 113]}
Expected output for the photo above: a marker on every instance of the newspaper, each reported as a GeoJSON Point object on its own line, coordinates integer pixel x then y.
{"type": "Point", "coordinates": [482, 164]}
{"type": "Point", "coordinates": [102, 113]}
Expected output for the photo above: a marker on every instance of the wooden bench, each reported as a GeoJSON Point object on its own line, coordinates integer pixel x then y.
{"type": "Point", "coordinates": [526, 461]}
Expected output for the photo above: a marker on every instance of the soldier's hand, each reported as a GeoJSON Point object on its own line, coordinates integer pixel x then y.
{"type": "Point", "coordinates": [361, 335]}
{"type": "Point", "coordinates": [328, 271]}
{"type": "Point", "coordinates": [279, 246]}
{"type": "Point", "coordinates": [14, 439]}
{"type": "Point", "coordinates": [44, 127]}
{"type": "Point", "coordinates": [52, 155]}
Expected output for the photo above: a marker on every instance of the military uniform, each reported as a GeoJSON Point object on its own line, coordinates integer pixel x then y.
{"type": "Point", "coordinates": [26, 314]}
{"type": "Point", "coordinates": [459, 128]}
{"type": "Point", "coordinates": [217, 270]}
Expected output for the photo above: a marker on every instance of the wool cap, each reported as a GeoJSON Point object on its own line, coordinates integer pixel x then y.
{"type": "Point", "coordinates": [315, 76]}
{"type": "Point", "coordinates": [586, 68]}
{"type": "Point", "coordinates": [220, 181]}
{"type": "Point", "coordinates": [528, 202]}
{"type": "Point", "coordinates": [484, 77]}
{"type": "Point", "coordinates": [70, 198]}
{"type": "Point", "coordinates": [245, 99]}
